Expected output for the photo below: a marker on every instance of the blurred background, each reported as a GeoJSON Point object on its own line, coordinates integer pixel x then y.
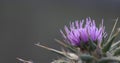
{"type": "Point", "coordinates": [24, 23]}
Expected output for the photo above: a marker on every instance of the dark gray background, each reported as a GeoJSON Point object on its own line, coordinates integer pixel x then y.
{"type": "Point", "coordinates": [26, 22]}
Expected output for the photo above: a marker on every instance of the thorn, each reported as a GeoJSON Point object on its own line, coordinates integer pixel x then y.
{"type": "Point", "coordinates": [114, 26]}
{"type": "Point", "coordinates": [60, 42]}
{"type": "Point", "coordinates": [24, 61]}
{"type": "Point", "coordinates": [50, 49]}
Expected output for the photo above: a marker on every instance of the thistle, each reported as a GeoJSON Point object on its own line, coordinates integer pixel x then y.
{"type": "Point", "coordinates": [79, 35]}
{"type": "Point", "coordinates": [84, 42]}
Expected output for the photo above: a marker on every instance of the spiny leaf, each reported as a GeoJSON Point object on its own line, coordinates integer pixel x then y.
{"type": "Point", "coordinates": [50, 49]}
{"type": "Point", "coordinates": [107, 46]}
{"type": "Point", "coordinates": [86, 57]}
{"type": "Point", "coordinates": [63, 53]}
{"type": "Point", "coordinates": [109, 42]}
{"type": "Point", "coordinates": [115, 45]}
{"type": "Point", "coordinates": [109, 59]}
{"type": "Point", "coordinates": [113, 29]}
{"type": "Point", "coordinates": [103, 42]}
{"type": "Point", "coordinates": [93, 46]}
{"type": "Point", "coordinates": [60, 42]}
{"type": "Point", "coordinates": [117, 51]}
{"type": "Point", "coordinates": [73, 49]}
{"type": "Point", "coordinates": [24, 61]}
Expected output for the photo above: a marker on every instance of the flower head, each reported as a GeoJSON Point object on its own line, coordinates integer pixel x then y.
{"type": "Point", "coordinates": [80, 32]}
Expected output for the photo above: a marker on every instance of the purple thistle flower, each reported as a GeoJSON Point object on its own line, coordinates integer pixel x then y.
{"type": "Point", "coordinates": [77, 33]}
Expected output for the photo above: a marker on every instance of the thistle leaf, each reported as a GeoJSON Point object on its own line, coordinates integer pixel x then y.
{"type": "Point", "coordinates": [113, 29]}
{"type": "Point", "coordinates": [109, 59]}
{"type": "Point", "coordinates": [63, 53]}
{"type": "Point", "coordinates": [115, 45]}
{"type": "Point", "coordinates": [86, 57]}
{"type": "Point", "coordinates": [60, 42]}
{"type": "Point", "coordinates": [110, 41]}
{"type": "Point", "coordinates": [103, 42]}
{"type": "Point", "coordinates": [24, 61]}
{"type": "Point", "coordinates": [117, 51]}
{"type": "Point", "coordinates": [51, 49]}
{"type": "Point", "coordinates": [92, 45]}
{"type": "Point", "coordinates": [107, 46]}
{"type": "Point", "coordinates": [73, 49]}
